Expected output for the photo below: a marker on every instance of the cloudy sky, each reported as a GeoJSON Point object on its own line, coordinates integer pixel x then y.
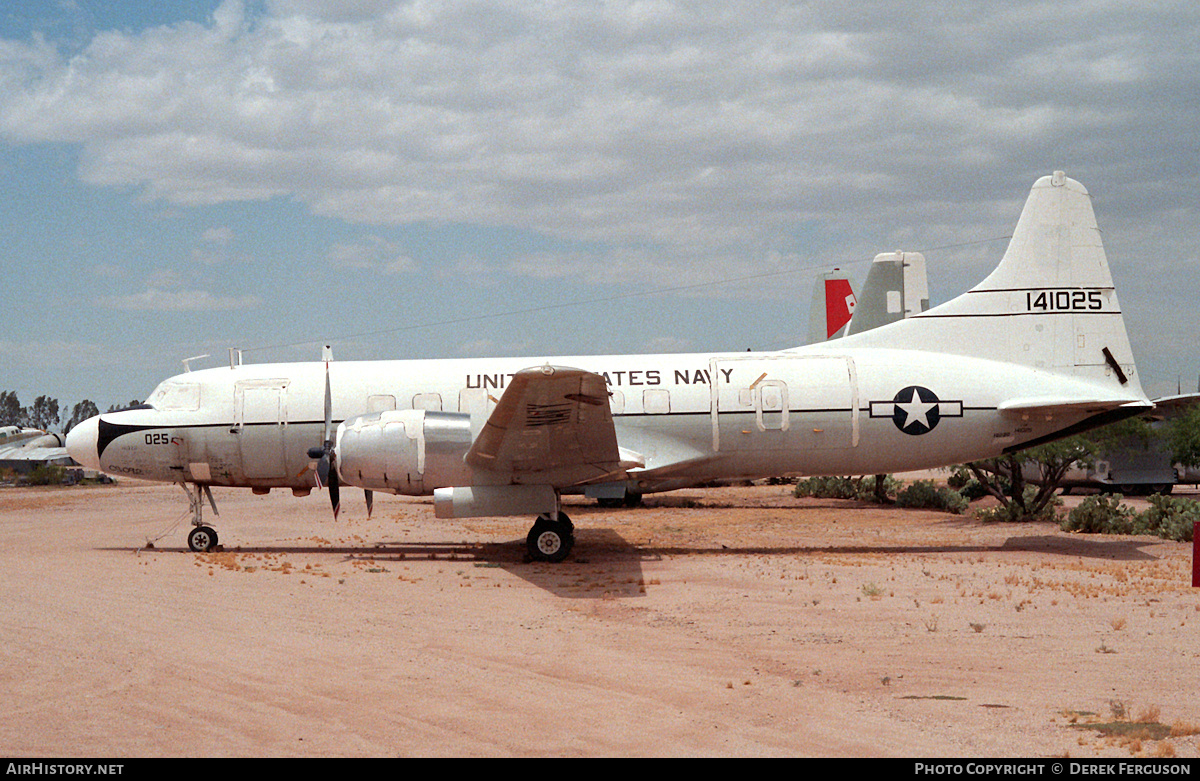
{"type": "Point", "coordinates": [441, 179]}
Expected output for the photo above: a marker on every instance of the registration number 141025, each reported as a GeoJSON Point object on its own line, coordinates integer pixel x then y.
{"type": "Point", "coordinates": [1064, 301]}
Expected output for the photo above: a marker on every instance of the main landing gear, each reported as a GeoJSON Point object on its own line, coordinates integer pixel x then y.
{"type": "Point", "coordinates": [201, 538]}
{"type": "Point", "coordinates": [551, 538]}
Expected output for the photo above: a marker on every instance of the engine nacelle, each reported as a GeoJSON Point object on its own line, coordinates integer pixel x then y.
{"type": "Point", "coordinates": [410, 451]}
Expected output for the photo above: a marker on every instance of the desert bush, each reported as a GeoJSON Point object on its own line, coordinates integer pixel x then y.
{"type": "Point", "coordinates": [1028, 510]}
{"type": "Point", "coordinates": [1100, 514]}
{"type": "Point", "coordinates": [924, 494]}
{"type": "Point", "coordinates": [966, 484]}
{"type": "Point", "coordinates": [827, 487]}
{"type": "Point", "coordinates": [835, 487]}
{"type": "Point", "coordinates": [1170, 517]}
{"type": "Point", "coordinates": [46, 474]}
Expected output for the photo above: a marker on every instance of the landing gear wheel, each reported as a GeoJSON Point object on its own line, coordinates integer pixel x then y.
{"type": "Point", "coordinates": [629, 499]}
{"type": "Point", "coordinates": [202, 539]}
{"type": "Point", "coordinates": [550, 540]}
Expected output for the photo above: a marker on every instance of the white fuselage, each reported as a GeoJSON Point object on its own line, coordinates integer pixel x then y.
{"type": "Point", "coordinates": [687, 418]}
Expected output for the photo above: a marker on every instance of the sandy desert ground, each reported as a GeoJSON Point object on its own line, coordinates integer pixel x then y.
{"type": "Point", "coordinates": [722, 622]}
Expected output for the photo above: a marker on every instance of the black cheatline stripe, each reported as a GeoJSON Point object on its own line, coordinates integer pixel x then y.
{"type": "Point", "coordinates": [1029, 289]}
{"type": "Point", "coordinates": [1011, 314]}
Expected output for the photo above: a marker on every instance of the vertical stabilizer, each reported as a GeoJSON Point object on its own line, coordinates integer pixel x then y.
{"type": "Point", "coordinates": [832, 306]}
{"type": "Point", "coordinates": [896, 288]}
{"type": "Point", "coordinates": [1050, 304]}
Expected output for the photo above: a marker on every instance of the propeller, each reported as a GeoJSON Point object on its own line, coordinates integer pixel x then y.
{"type": "Point", "coordinates": [326, 458]}
{"type": "Point", "coordinates": [327, 474]}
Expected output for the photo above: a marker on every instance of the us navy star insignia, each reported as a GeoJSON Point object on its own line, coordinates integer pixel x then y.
{"type": "Point", "coordinates": [916, 410]}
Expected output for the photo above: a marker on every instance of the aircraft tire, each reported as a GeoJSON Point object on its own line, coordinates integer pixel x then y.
{"type": "Point", "coordinates": [550, 541]}
{"type": "Point", "coordinates": [202, 539]}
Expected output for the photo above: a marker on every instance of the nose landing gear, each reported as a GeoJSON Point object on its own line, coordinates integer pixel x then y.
{"type": "Point", "coordinates": [201, 538]}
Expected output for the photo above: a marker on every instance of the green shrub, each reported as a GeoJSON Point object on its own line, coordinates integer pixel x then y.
{"type": "Point", "coordinates": [973, 489]}
{"type": "Point", "coordinates": [47, 474]}
{"type": "Point", "coordinates": [1100, 514]}
{"type": "Point", "coordinates": [835, 487]}
{"type": "Point", "coordinates": [925, 495]}
{"type": "Point", "coordinates": [1018, 512]}
{"type": "Point", "coordinates": [827, 487]}
{"type": "Point", "coordinates": [1170, 517]}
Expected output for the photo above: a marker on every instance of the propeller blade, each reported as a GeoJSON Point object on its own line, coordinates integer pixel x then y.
{"type": "Point", "coordinates": [322, 469]}
{"type": "Point", "coordinates": [328, 409]}
{"type": "Point", "coordinates": [334, 492]}
{"type": "Point", "coordinates": [370, 495]}
{"type": "Point", "coordinates": [324, 455]}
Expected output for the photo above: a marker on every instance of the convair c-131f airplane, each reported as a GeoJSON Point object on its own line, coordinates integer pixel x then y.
{"type": "Point", "coordinates": [1036, 351]}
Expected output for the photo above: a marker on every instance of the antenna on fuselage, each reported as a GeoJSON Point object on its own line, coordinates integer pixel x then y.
{"type": "Point", "coordinates": [187, 361]}
{"type": "Point", "coordinates": [235, 357]}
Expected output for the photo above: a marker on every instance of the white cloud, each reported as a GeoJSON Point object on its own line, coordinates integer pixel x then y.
{"type": "Point", "coordinates": [685, 125]}
{"type": "Point", "coordinates": [178, 300]}
{"type": "Point", "coordinates": [372, 254]}
{"type": "Point", "coordinates": [220, 236]}
{"type": "Point", "coordinates": [665, 144]}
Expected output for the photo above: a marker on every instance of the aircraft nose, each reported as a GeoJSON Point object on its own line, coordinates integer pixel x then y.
{"type": "Point", "coordinates": [82, 440]}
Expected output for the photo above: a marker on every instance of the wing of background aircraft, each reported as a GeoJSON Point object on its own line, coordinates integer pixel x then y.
{"type": "Point", "coordinates": [1170, 406]}
{"type": "Point", "coordinates": [25, 448]}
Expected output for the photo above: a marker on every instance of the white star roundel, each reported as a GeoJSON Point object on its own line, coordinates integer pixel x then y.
{"type": "Point", "coordinates": [916, 410]}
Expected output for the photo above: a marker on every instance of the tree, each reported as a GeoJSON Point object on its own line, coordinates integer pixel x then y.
{"type": "Point", "coordinates": [43, 413]}
{"type": "Point", "coordinates": [1183, 434]}
{"type": "Point", "coordinates": [1026, 481]}
{"type": "Point", "coordinates": [81, 412]}
{"type": "Point", "coordinates": [11, 411]}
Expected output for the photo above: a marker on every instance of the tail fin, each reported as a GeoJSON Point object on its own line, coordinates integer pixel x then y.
{"type": "Point", "coordinates": [1050, 304]}
{"type": "Point", "coordinates": [896, 288]}
{"type": "Point", "coordinates": [832, 307]}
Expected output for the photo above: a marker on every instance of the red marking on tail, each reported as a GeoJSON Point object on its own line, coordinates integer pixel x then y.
{"type": "Point", "coordinates": [839, 305]}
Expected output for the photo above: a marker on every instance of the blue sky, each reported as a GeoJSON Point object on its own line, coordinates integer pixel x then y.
{"type": "Point", "coordinates": [522, 178]}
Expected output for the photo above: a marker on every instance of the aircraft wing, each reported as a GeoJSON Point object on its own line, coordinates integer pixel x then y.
{"type": "Point", "coordinates": [35, 454]}
{"type": "Point", "coordinates": [1170, 406]}
{"type": "Point", "coordinates": [552, 426]}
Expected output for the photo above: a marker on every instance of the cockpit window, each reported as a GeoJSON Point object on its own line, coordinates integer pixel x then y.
{"type": "Point", "coordinates": [175, 396]}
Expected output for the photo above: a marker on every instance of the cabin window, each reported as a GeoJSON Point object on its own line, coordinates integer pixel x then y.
{"type": "Point", "coordinates": [428, 401]}
{"type": "Point", "coordinates": [656, 401]}
{"type": "Point", "coordinates": [381, 402]}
